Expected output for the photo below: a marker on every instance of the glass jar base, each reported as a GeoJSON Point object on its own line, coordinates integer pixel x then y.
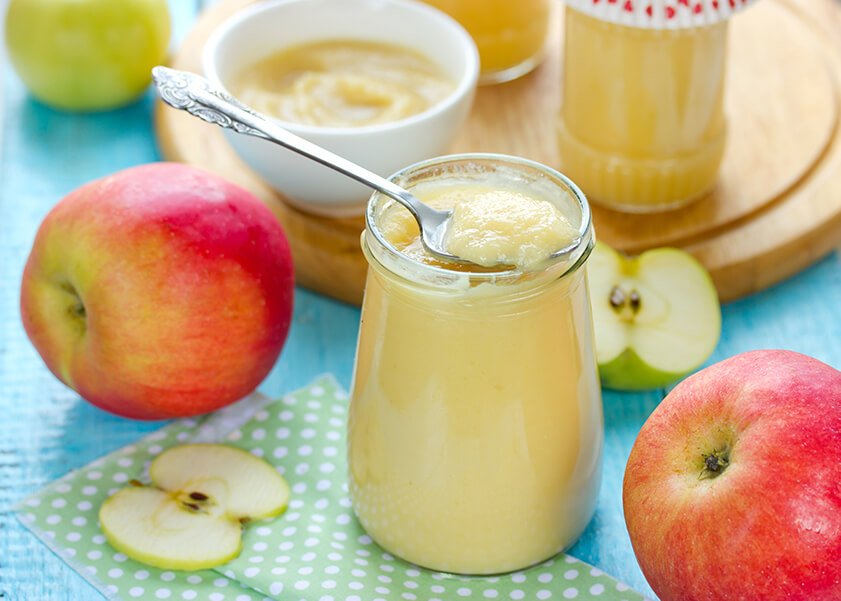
{"type": "Point", "coordinates": [640, 185]}
{"type": "Point", "coordinates": [464, 568]}
{"type": "Point", "coordinates": [511, 73]}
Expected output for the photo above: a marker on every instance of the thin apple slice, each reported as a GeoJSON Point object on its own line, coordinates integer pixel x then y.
{"type": "Point", "coordinates": [192, 515]}
{"type": "Point", "coordinates": [243, 484]}
{"type": "Point", "coordinates": [152, 527]}
{"type": "Point", "coordinates": [657, 316]}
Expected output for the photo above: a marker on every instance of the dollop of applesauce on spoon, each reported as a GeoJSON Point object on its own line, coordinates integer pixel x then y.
{"type": "Point", "coordinates": [495, 225]}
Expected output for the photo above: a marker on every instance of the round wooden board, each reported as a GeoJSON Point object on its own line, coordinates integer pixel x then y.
{"type": "Point", "coordinates": [775, 210]}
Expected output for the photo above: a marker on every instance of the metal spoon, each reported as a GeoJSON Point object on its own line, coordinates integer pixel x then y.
{"type": "Point", "coordinates": [196, 95]}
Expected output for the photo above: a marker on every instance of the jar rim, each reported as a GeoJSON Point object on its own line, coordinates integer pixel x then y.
{"type": "Point", "coordinates": [573, 254]}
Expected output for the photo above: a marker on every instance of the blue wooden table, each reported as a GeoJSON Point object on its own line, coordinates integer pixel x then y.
{"type": "Point", "coordinates": [47, 430]}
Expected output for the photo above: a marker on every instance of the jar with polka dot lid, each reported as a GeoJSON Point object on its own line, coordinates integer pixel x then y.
{"type": "Point", "coordinates": [642, 125]}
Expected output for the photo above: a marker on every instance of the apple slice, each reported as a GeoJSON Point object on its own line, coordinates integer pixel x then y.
{"type": "Point", "coordinates": [191, 517]}
{"type": "Point", "coordinates": [657, 316]}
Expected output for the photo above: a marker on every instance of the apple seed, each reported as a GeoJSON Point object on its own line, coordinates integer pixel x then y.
{"type": "Point", "coordinates": [627, 305]}
{"type": "Point", "coordinates": [617, 297]}
{"type": "Point", "coordinates": [195, 501]}
{"type": "Point", "coordinates": [635, 301]}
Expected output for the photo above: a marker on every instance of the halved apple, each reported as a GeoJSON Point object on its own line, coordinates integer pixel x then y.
{"type": "Point", "coordinates": [657, 316]}
{"type": "Point", "coordinates": [192, 515]}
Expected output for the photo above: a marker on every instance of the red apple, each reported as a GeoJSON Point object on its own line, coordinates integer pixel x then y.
{"type": "Point", "coordinates": [733, 487]}
{"type": "Point", "coordinates": [159, 291]}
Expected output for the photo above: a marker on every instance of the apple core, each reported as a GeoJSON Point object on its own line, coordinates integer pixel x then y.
{"type": "Point", "coordinates": [626, 304]}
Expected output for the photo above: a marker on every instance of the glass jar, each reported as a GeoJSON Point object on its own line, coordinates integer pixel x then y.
{"type": "Point", "coordinates": [642, 124]}
{"type": "Point", "coordinates": [475, 428]}
{"type": "Point", "coordinates": [510, 35]}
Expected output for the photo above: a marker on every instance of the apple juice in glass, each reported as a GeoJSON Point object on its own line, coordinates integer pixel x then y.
{"type": "Point", "coordinates": [475, 427]}
{"type": "Point", "coordinates": [510, 35]}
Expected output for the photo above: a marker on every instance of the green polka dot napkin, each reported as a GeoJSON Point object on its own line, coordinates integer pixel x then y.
{"type": "Point", "coordinates": [315, 551]}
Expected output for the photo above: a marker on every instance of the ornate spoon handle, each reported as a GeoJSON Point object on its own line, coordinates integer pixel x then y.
{"type": "Point", "coordinates": [188, 92]}
{"type": "Point", "coordinates": [194, 94]}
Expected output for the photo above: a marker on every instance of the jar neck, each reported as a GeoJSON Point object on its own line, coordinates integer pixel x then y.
{"type": "Point", "coordinates": [549, 184]}
{"type": "Point", "coordinates": [406, 272]}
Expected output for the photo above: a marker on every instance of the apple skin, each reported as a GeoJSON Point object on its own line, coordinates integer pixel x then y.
{"type": "Point", "coordinates": [629, 372]}
{"type": "Point", "coordinates": [160, 291]}
{"type": "Point", "coordinates": [769, 525]}
{"type": "Point", "coordinates": [82, 55]}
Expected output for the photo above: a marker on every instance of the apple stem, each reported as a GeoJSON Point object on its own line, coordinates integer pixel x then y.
{"type": "Point", "coordinates": [715, 463]}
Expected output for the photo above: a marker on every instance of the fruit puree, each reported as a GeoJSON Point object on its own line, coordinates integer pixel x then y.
{"type": "Point", "coordinates": [342, 83]}
{"type": "Point", "coordinates": [475, 428]}
{"type": "Point", "coordinates": [491, 225]}
{"type": "Point", "coordinates": [642, 126]}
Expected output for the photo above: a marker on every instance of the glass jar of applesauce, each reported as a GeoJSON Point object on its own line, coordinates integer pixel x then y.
{"type": "Point", "coordinates": [510, 35]}
{"type": "Point", "coordinates": [475, 429]}
{"type": "Point", "coordinates": [642, 125]}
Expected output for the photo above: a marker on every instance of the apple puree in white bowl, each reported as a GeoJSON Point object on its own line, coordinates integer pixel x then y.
{"type": "Point", "coordinates": [342, 83]}
{"type": "Point", "coordinates": [386, 42]}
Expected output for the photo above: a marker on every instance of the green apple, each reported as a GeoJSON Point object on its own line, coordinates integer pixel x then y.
{"type": "Point", "coordinates": [86, 54]}
{"type": "Point", "coordinates": [657, 316]}
{"type": "Point", "coordinates": [191, 517]}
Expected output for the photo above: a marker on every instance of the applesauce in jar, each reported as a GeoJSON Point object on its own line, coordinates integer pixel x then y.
{"type": "Point", "coordinates": [342, 83]}
{"type": "Point", "coordinates": [642, 125]}
{"type": "Point", "coordinates": [475, 429]}
{"type": "Point", "coordinates": [510, 35]}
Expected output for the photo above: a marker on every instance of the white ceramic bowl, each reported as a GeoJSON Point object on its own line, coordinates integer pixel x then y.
{"type": "Point", "coordinates": [267, 27]}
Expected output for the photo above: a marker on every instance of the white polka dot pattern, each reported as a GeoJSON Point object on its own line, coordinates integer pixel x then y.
{"type": "Point", "coordinates": [315, 551]}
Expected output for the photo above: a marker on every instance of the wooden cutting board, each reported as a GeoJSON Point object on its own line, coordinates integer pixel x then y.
{"type": "Point", "coordinates": [775, 210]}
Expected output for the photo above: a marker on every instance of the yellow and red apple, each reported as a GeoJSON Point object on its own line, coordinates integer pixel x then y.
{"type": "Point", "coordinates": [733, 488]}
{"type": "Point", "coordinates": [159, 291]}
